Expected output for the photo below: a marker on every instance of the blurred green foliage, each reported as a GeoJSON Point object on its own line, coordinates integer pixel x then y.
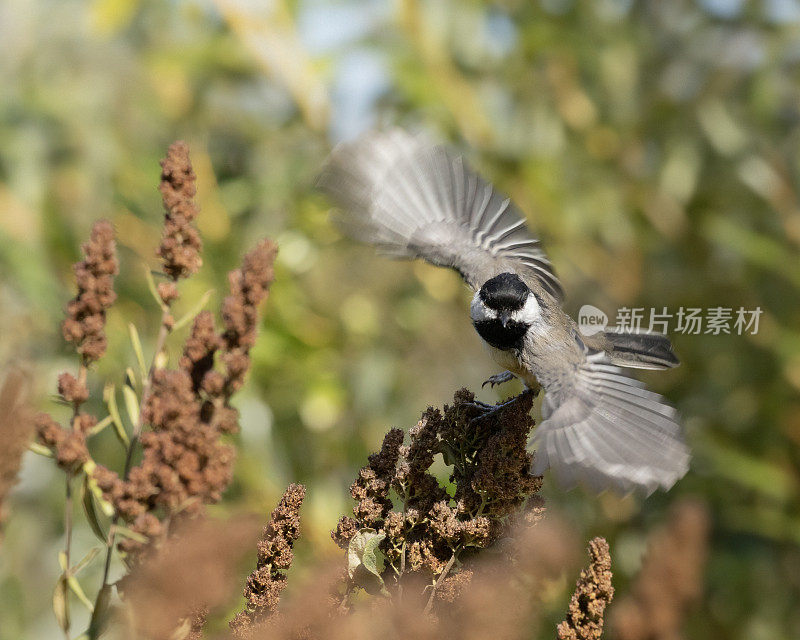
{"type": "Point", "coordinates": [654, 146]}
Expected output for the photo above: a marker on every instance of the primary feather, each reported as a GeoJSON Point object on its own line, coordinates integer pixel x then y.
{"type": "Point", "coordinates": [416, 200]}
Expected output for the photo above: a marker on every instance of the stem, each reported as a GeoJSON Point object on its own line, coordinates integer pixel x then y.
{"type": "Point", "coordinates": [68, 536]}
{"type": "Point", "coordinates": [403, 548]}
{"type": "Point", "coordinates": [82, 372]}
{"type": "Point", "coordinates": [439, 580]}
{"type": "Point", "coordinates": [147, 384]}
{"type": "Point", "coordinates": [342, 608]}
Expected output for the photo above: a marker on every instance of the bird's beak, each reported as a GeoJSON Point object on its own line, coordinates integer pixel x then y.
{"type": "Point", "coordinates": [504, 319]}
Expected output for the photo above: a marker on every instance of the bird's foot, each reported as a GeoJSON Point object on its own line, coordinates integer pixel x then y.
{"type": "Point", "coordinates": [499, 378]}
{"type": "Point", "coordinates": [488, 410]}
{"type": "Point", "coordinates": [483, 407]}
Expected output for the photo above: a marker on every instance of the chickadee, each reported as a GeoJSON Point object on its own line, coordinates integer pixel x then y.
{"type": "Point", "coordinates": [601, 428]}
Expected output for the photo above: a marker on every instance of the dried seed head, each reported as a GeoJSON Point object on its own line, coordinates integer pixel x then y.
{"type": "Point", "coordinates": [68, 445]}
{"type": "Point", "coordinates": [168, 292]}
{"type": "Point", "coordinates": [71, 451]}
{"type": "Point", "coordinates": [71, 390]}
{"type": "Point", "coordinates": [180, 243]}
{"type": "Point", "coordinates": [16, 430]}
{"type": "Point", "coordinates": [490, 474]}
{"type": "Point", "coordinates": [200, 347]}
{"type": "Point", "coordinates": [86, 313]}
{"type": "Point", "coordinates": [346, 528]}
{"type": "Point", "coordinates": [266, 582]}
{"type": "Point", "coordinates": [670, 580]}
{"type": "Point", "coordinates": [592, 595]}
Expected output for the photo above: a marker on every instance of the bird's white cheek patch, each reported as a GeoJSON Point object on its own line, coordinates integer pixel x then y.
{"type": "Point", "coordinates": [530, 312]}
{"type": "Point", "coordinates": [480, 312]}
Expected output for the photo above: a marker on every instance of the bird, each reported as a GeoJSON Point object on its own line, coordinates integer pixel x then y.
{"type": "Point", "coordinates": [412, 198]}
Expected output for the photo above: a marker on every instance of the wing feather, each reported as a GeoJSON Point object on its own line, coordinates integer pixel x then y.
{"type": "Point", "coordinates": [415, 200]}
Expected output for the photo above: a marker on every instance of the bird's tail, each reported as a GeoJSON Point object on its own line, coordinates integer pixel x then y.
{"type": "Point", "coordinates": [640, 350]}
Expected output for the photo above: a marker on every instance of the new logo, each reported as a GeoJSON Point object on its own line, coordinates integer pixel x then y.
{"type": "Point", "coordinates": [591, 320]}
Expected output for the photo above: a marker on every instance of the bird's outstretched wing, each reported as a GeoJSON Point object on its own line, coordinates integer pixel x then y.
{"type": "Point", "coordinates": [413, 199]}
{"type": "Point", "coordinates": [607, 431]}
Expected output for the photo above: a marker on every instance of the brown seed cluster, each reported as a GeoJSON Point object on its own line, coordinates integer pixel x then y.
{"type": "Point", "coordinates": [671, 578]}
{"type": "Point", "coordinates": [85, 326]}
{"type": "Point", "coordinates": [185, 464]}
{"type": "Point", "coordinates": [197, 621]}
{"type": "Point", "coordinates": [275, 556]}
{"type": "Point", "coordinates": [249, 286]}
{"type": "Point", "coordinates": [68, 445]}
{"type": "Point", "coordinates": [86, 313]}
{"type": "Point", "coordinates": [198, 355]}
{"type": "Point", "coordinates": [180, 242]}
{"type": "Point", "coordinates": [592, 595]}
{"type": "Point", "coordinates": [490, 472]}
{"type": "Point", "coordinates": [16, 431]}
{"type": "Point", "coordinates": [498, 596]}
{"type": "Point", "coordinates": [371, 488]}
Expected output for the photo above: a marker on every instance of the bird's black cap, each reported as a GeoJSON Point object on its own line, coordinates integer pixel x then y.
{"type": "Point", "coordinates": [506, 292]}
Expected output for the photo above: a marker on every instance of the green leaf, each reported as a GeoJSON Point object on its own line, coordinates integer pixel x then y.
{"type": "Point", "coordinates": [100, 426]}
{"type": "Point", "coordinates": [40, 449]}
{"type": "Point", "coordinates": [110, 397]}
{"type": "Point", "coordinates": [77, 589]}
{"type": "Point", "coordinates": [131, 405]}
{"type": "Point", "coordinates": [90, 511]}
{"type": "Point", "coordinates": [133, 535]}
{"type": "Point", "coordinates": [88, 469]}
{"type": "Point", "coordinates": [85, 561]}
{"type": "Point", "coordinates": [365, 561]}
{"type": "Point", "coordinates": [137, 349]}
{"type": "Point", "coordinates": [60, 604]}
{"type": "Point", "coordinates": [190, 315]}
{"type": "Point", "coordinates": [161, 360]}
{"type": "Point", "coordinates": [151, 284]}
{"type": "Point", "coordinates": [97, 624]}
{"type": "Point", "coordinates": [130, 378]}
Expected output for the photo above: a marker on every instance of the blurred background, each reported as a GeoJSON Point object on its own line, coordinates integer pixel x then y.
{"type": "Point", "coordinates": [653, 146]}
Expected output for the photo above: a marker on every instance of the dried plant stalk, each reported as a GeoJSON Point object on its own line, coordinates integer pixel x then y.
{"type": "Point", "coordinates": [593, 593]}
{"type": "Point", "coordinates": [179, 416]}
{"type": "Point", "coordinates": [180, 242]}
{"type": "Point", "coordinates": [186, 465]}
{"type": "Point", "coordinates": [670, 580]}
{"type": "Point", "coordinates": [86, 313]}
{"type": "Point", "coordinates": [431, 534]}
{"type": "Point", "coordinates": [497, 597]}
{"type": "Point", "coordinates": [275, 556]}
{"type": "Point", "coordinates": [84, 325]}
{"type": "Point", "coordinates": [16, 431]}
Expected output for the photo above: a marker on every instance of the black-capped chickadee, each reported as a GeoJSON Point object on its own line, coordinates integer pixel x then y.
{"type": "Point", "coordinates": [413, 199]}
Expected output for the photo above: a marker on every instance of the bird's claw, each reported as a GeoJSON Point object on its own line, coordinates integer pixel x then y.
{"type": "Point", "coordinates": [499, 378]}
{"type": "Point", "coordinates": [495, 409]}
